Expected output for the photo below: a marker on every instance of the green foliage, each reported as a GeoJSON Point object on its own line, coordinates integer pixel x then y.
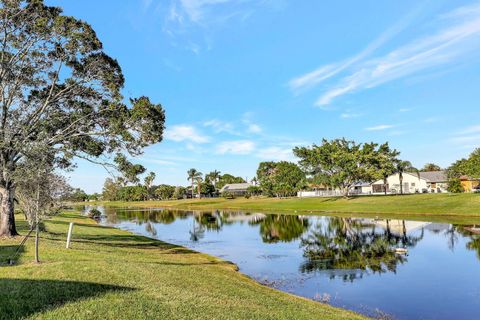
{"type": "Point", "coordinates": [469, 167]}
{"type": "Point", "coordinates": [228, 195]}
{"type": "Point", "coordinates": [455, 186]}
{"type": "Point", "coordinates": [129, 170]}
{"type": "Point", "coordinates": [254, 190]}
{"type": "Point", "coordinates": [77, 195]}
{"type": "Point", "coordinates": [207, 189]}
{"type": "Point", "coordinates": [194, 176]}
{"type": "Point", "coordinates": [148, 180]}
{"type": "Point", "coordinates": [228, 179]}
{"type": "Point", "coordinates": [110, 190]}
{"type": "Point", "coordinates": [340, 163]}
{"type": "Point", "coordinates": [165, 192]}
{"type": "Point", "coordinates": [431, 167]}
{"type": "Point", "coordinates": [132, 193]}
{"type": "Point", "coordinates": [282, 228]}
{"type": "Point", "coordinates": [213, 177]}
{"type": "Point", "coordinates": [383, 159]}
{"type": "Point", "coordinates": [180, 193]}
{"type": "Point", "coordinates": [94, 214]}
{"type": "Point", "coordinates": [94, 197]}
{"type": "Point", "coordinates": [61, 90]}
{"type": "Point", "coordinates": [280, 179]}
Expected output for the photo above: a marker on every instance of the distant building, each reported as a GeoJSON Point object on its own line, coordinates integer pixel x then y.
{"type": "Point", "coordinates": [468, 183]}
{"type": "Point", "coordinates": [422, 182]}
{"type": "Point", "coordinates": [237, 189]}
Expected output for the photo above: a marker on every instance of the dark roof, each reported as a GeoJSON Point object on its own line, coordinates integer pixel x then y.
{"type": "Point", "coordinates": [434, 176]}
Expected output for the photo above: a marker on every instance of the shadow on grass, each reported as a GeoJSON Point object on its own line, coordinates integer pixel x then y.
{"type": "Point", "coordinates": [132, 241]}
{"type": "Point", "coordinates": [8, 252]}
{"type": "Point", "coordinates": [127, 241]}
{"type": "Point", "coordinates": [21, 298]}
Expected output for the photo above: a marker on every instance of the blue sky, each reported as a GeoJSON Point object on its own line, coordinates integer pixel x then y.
{"type": "Point", "coordinates": [243, 81]}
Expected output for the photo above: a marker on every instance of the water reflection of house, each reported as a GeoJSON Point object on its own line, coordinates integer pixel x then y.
{"type": "Point", "coordinates": [437, 227]}
{"type": "Point", "coordinates": [255, 217]}
{"type": "Point", "coordinates": [399, 227]}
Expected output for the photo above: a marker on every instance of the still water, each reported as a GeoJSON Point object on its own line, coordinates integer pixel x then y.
{"type": "Point", "coordinates": [358, 264]}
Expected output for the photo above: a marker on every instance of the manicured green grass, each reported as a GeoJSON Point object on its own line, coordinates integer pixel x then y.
{"type": "Point", "coordinates": [451, 207]}
{"type": "Point", "coordinates": [112, 274]}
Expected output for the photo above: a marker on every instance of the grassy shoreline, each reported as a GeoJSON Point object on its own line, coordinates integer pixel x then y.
{"type": "Point", "coordinates": [112, 274]}
{"type": "Point", "coordinates": [454, 208]}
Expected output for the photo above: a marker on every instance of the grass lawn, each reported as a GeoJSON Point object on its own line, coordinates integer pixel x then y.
{"type": "Point", "coordinates": [113, 274]}
{"type": "Point", "coordinates": [442, 207]}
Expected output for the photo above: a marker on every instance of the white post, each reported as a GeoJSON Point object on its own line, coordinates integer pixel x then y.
{"type": "Point", "coordinates": [69, 236]}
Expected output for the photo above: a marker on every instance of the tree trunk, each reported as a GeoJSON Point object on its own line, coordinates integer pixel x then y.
{"type": "Point", "coordinates": [7, 218]}
{"type": "Point", "coordinates": [400, 177]}
{"type": "Point", "coordinates": [37, 239]}
{"type": "Point", "coordinates": [385, 185]}
{"type": "Point", "coordinates": [346, 192]}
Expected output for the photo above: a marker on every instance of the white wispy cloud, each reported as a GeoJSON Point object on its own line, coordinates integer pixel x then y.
{"type": "Point", "coordinates": [157, 161]}
{"type": "Point", "coordinates": [404, 109]}
{"type": "Point", "coordinates": [380, 127]}
{"type": "Point", "coordinates": [252, 126]}
{"type": "Point", "coordinates": [208, 12]}
{"type": "Point", "coordinates": [185, 133]}
{"type": "Point", "coordinates": [470, 130]}
{"type": "Point", "coordinates": [276, 154]}
{"type": "Point", "coordinates": [240, 147]}
{"type": "Point", "coordinates": [325, 72]}
{"type": "Point", "coordinates": [192, 24]}
{"type": "Point", "coordinates": [458, 37]}
{"type": "Point", "coordinates": [348, 115]}
{"type": "Point", "coordinates": [472, 139]}
{"type": "Point", "coordinates": [220, 126]}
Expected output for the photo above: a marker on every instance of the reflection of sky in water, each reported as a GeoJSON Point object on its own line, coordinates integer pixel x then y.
{"type": "Point", "coordinates": [435, 282]}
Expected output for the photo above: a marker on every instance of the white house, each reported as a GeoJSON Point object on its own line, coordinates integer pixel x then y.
{"type": "Point", "coordinates": [422, 182]}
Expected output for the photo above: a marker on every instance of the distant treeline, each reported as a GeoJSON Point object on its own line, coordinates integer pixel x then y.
{"type": "Point", "coordinates": [336, 164]}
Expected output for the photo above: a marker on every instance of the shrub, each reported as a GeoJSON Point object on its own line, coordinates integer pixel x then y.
{"type": "Point", "coordinates": [455, 186]}
{"type": "Point", "coordinates": [228, 195]}
{"type": "Point", "coordinates": [254, 190]}
{"type": "Point", "coordinates": [94, 214]}
{"type": "Point", "coordinates": [247, 195]}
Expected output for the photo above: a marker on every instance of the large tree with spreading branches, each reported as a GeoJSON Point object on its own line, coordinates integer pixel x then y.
{"type": "Point", "coordinates": [60, 90]}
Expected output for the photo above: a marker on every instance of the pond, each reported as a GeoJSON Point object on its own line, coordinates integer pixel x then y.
{"type": "Point", "coordinates": [394, 269]}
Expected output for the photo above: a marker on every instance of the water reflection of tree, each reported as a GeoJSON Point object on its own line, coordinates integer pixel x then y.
{"type": "Point", "coordinates": [350, 247]}
{"type": "Point", "coordinates": [211, 221]}
{"type": "Point", "coordinates": [473, 237]}
{"type": "Point", "coordinates": [285, 228]}
{"type": "Point", "coordinates": [150, 228]}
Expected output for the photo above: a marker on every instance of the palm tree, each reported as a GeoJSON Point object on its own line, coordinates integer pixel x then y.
{"type": "Point", "coordinates": [213, 177]}
{"type": "Point", "coordinates": [199, 186]}
{"type": "Point", "coordinates": [193, 175]}
{"type": "Point", "coordinates": [402, 167]}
